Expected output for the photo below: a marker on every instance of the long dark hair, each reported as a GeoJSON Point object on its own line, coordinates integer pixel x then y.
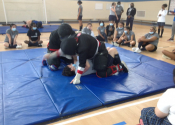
{"type": "Point", "coordinates": [101, 22]}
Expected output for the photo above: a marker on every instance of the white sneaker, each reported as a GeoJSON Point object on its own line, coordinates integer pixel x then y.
{"type": "Point", "coordinates": [17, 47]}
{"type": "Point", "coordinates": [137, 50]}
{"type": "Point", "coordinates": [116, 44]}
{"type": "Point", "coordinates": [166, 57]}
{"type": "Point", "coordinates": [134, 48]}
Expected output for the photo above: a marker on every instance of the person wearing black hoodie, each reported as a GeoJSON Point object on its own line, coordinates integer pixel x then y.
{"type": "Point", "coordinates": [130, 15]}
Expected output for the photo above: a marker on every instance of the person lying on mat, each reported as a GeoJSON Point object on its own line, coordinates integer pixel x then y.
{"type": "Point", "coordinates": [169, 55]}
{"type": "Point", "coordinates": [110, 30]}
{"type": "Point", "coordinates": [118, 32]}
{"type": "Point", "coordinates": [11, 37]}
{"type": "Point", "coordinates": [88, 30]}
{"type": "Point", "coordinates": [34, 36]}
{"type": "Point", "coordinates": [127, 38]}
{"type": "Point", "coordinates": [54, 45]}
{"type": "Point", "coordinates": [28, 23]}
{"type": "Point", "coordinates": [113, 66]}
{"type": "Point", "coordinates": [102, 32]}
{"type": "Point", "coordinates": [164, 112]}
{"type": "Point", "coordinates": [148, 42]}
{"type": "Point", "coordinates": [86, 47]}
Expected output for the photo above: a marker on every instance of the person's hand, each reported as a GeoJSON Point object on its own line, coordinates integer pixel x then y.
{"type": "Point", "coordinates": [77, 18]}
{"type": "Point", "coordinates": [72, 81]}
{"type": "Point", "coordinates": [159, 14]}
{"type": "Point", "coordinates": [103, 37]}
{"type": "Point", "coordinates": [117, 18]}
{"type": "Point", "coordinates": [14, 43]}
{"type": "Point", "coordinates": [125, 42]}
{"type": "Point", "coordinates": [141, 39]}
{"type": "Point", "coordinates": [129, 16]}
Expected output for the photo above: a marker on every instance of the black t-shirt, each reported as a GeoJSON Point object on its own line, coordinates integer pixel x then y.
{"type": "Point", "coordinates": [86, 49]}
{"type": "Point", "coordinates": [54, 41]}
{"type": "Point", "coordinates": [110, 30]}
{"type": "Point", "coordinates": [34, 34]}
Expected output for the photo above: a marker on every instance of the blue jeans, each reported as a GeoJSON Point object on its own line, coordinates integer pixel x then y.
{"type": "Point", "coordinates": [130, 21]}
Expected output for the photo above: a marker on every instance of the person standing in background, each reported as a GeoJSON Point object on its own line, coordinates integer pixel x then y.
{"type": "Point", "coordinates": [113, 16]}
{"type": "Point", "coordinates": [79, 18]}
{"type": "Point", "coordinates": [173, 27]}
{"type": "Point", "coordinates": [161, 19]}
{"type": "Point", "coordinates": [130, 15]}
{"type": "Point", "coordinates": [118, 11]}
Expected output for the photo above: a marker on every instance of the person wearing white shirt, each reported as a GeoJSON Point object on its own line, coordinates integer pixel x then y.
{"type": "Point", "coordinates": [161, 19]}
{"type": "Point", "coordinates": [164, 113]}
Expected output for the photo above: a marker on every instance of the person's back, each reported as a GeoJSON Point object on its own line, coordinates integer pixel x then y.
{"type": "Point", "coordinates": [54, 41]}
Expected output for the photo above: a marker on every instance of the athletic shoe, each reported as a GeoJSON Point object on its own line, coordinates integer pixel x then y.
{"type": "Point", "coordinates": [124, 67]}
{"type": "Point", "coordinates": [116, 44]}
{"type": "Point", "coordinates": [137, 50]}
{"type": "Point", "coordinates": [18, 47]}
{"type": "Point", "coordinates": [166, 57]}
{"type": "Point", "coordinates": [170, 39]}
{"type": "Point", "coordinates": [134, 48]}
{"type": "Point", "coordinates": [160, 36]}
{"type": "Point", "coordinates": [39, 45]}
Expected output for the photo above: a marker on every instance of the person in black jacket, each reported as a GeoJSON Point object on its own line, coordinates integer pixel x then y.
{"type": "Point", "coordinates": [87, 47]}
{"type": "Point", "coordinates": [55, 39]}
{"type": "Point", "coordinates": [130, 15]}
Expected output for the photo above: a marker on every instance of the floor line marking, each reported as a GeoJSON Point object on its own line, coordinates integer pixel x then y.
{"type": "Point", "coordinates": [106, 111]}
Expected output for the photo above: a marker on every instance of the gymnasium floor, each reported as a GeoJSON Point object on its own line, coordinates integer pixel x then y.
{"type": "Point", "coordinates": [128, 111]}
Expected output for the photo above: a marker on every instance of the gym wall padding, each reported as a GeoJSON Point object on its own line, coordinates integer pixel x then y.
{"type": "Point", "coordinates": [31, 93]}
{"type": "Point", "coordinates": [46, 28]}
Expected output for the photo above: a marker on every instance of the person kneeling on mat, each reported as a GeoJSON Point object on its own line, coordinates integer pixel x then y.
{"type": "Point", "coordinates": [113, 65]}
{"type": "Point", "coordinates": [54, 45]}
{"type": "Point", "coordinates": [28, 23]}
{"type": "Point", "coordinates": [127, 38]}
{"type": "Point", "coordinates": [11, 37]}
{"type": "Point", "coordinates": [34, 36]}
{"type": "Point", "coordinates": [83, 45]}
{"type": "Point", "coordinates": [148, 42]}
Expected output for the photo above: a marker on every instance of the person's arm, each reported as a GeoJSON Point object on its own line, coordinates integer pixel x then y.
{"type": "Point", "coordinates": [164, 13]}
{"type": "Point", "coordinates": [39, 34]}
{"type": "Point", "coordinates": [83, 31]}
{"type": "Point", "coordinates": [9, 37]}
{"type": "Point", "coordinates": [15, 40]}
{"type": "Point", "coordinates": [87, 66]}
{"type": "Point", "coordinates": [100, 34]}
{"type": "Point", "coordinates": [122, 10]}
{"type": "Point", "coordinates": [132, 37]}
{"type": "Point", "coordinates": [75, 59]}
{"type": "Point", "coordinates": [79, 13]}
{"type": "Point", "coordinates": [115, 35]}
{"type": "Point", "coordinates": [113, 9]}
{"type": "Point", "coordinates": [114, 12]}
{"type": "Point", "coordinates": [163, 105]}
{"type": "Point", "coordinates": [159, 113]}
{"type": "Point", "coordinates": [134, 11]}
{"type": "Point", "coordinates": [143, 39]}
{"type": "Point", "coordinates": [92, 34]}
{"type": "Point", "coordinates": [127, 12]}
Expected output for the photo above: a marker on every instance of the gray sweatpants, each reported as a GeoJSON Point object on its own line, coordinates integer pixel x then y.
{"type": "Point", "coordinates": [173, 30]}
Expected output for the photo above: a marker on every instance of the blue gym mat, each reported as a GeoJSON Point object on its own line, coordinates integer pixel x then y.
{"type": "Point", "coordinates": [46, 28]}
{"type": "Point", "coordinates": [31, 93]}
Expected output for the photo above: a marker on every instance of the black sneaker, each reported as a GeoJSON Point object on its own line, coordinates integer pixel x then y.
{"type": "Point", "coordinates": [39, 45]}
{"type": "Point", "coordinates": [124, 67]}
{"type": "Point", "coordinates": [160, 36]}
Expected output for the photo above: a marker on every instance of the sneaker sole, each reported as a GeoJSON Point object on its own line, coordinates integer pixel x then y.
{"type": "Point", "coordinates": [125, 65]}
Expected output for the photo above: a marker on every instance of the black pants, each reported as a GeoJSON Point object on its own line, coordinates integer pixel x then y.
{"type": "Point", "coordinates": [130, 21]}
{"type": "Point", "coordinates": [144, 45]}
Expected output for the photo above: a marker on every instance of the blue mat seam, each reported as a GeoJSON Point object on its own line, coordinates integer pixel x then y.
{"type": "Point", "coordinates": [42, 83]}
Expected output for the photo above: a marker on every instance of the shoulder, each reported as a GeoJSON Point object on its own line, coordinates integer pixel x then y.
{"type": "Point", "coordinates": [8, 31]}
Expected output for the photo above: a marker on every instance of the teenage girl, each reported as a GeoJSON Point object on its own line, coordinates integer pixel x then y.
{"type": "Point", "coordinates": [79, 18]}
